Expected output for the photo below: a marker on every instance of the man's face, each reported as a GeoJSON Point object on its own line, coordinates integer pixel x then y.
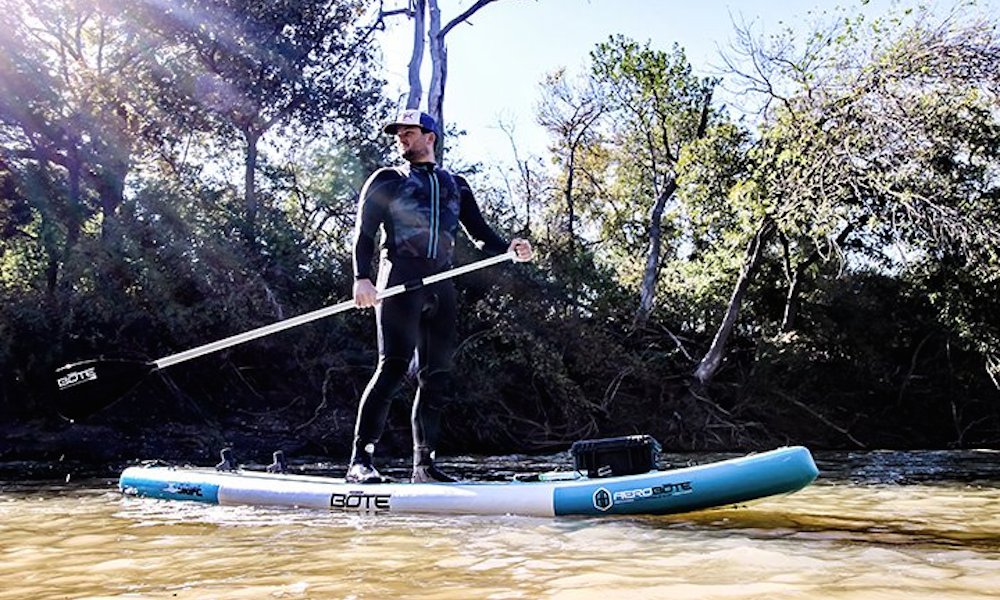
{"type": "Point", "coordinates": [414, 143]}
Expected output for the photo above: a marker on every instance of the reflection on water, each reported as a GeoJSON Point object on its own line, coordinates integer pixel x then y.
{"type": "Point", "coordinates": [875, 526]}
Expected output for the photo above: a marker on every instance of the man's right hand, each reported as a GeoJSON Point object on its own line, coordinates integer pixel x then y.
{"type": "Point", "coordinates": [365, 294]}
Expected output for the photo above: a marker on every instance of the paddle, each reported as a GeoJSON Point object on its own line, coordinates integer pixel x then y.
{"type": "Point", "coordinates": [91, 385]}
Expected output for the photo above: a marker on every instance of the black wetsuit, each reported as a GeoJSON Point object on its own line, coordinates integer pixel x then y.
{"type": "Point", "coordinates": [418, 209]}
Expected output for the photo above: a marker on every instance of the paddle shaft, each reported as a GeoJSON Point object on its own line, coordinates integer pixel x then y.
{"type": "Point", "coordinates": [346, 305]}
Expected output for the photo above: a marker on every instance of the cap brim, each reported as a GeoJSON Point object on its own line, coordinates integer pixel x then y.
{"type": "Point", "coordinates": [392, 128]}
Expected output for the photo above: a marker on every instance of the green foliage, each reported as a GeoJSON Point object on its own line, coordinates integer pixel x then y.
{"type": "Point", "coordinates": [865, 161]}
{"type": "Point", "coordinates": [874, 352]}
{"type": "Point", "coordinates": [91, 266]}
{"type": "Point", "coordinates": [130, 160]}
{"type": "Point", "coordinates": [252, 64]}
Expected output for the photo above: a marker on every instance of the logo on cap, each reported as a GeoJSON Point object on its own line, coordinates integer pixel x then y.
{"type": "Point", "coordinates": [412, 117]}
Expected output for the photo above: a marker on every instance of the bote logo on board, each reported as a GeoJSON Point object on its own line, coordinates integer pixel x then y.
{"type": "Point", "coordinates": [77, 377]}
{"type": "Point", "coordinates": [183, 490]}
{"type": "Point", "coordinates": [654, 491]}
{"type": "Point", "coordinates": [360, 501]}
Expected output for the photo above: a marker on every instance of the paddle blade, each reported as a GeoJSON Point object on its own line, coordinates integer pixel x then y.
{"type": "Point", "coordinates": [87, 387]}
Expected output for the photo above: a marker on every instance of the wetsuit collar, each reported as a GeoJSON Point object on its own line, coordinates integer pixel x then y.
{"type": "Point", "coordinates": [423, 166]}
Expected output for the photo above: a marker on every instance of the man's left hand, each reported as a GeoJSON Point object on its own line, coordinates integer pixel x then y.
{"type": "Point", "coordinates": [522, 249]}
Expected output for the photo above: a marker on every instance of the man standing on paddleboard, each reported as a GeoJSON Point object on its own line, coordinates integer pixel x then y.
{"type": "Point", "coordinates": [418, 207]}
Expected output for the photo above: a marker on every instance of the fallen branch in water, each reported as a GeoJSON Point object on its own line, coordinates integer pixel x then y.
{"type": "Point", "coordinates": [826, 421]}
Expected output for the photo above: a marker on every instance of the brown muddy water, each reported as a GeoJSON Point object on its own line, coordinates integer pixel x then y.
{"type": "Point", "coordinates": [879, 525]}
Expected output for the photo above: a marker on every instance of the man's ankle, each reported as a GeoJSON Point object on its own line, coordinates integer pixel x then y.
{"type": "Point", "coordinates": [430, 474]}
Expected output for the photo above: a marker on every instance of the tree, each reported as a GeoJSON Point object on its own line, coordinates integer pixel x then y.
{"type": "Point", "coordinates": [116, 233]}
{"type": "Point", "coordinates": [435, 33]}
{"type": "Point", "coordinates": [659, 107]}
{"type": "Point", "coordinates": [71, 106]}
{"type": "Point", "coordinates": [254, 67]}
{"type": "Point", "coordinates": [570, 113]}
{"type": "Point", "coordinates": [884, 135]}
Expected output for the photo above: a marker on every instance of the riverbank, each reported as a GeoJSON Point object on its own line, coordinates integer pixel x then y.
{"type": "Point", "coordinates": [57, 449]}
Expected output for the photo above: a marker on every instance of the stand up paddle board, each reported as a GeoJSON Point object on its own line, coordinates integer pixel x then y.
{"type": "Point", "coordinates": [656, 492]}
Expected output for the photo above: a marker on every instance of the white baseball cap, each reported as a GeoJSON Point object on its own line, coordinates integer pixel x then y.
{"type": "Point", "coordinates": [415, 118]}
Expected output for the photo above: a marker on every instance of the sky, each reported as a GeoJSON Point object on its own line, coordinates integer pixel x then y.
{"type": "Point", "coordinates": [498, 59]}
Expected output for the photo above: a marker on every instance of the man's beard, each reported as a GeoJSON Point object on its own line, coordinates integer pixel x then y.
{"type": "Point", "coordinates": [414, 154]}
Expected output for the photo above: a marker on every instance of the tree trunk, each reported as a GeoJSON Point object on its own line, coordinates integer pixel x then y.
{"type": "Point", "coordinates": [568, 194]}
{"type": "Point", "coordinates": [111, 189]}
{"type": "Point", "coordinates": [74, 223]}
{"type": "Point", "coordinates": [439, 64]}
{"type": "Point", "coordinates": [795, 277]}
{"type": "Point", "coordinates": [250, 201]}
{"type": "Point", "coordinates": [417, 57]}
{"type": "Point", "coordinates": [439, 75]}
{"type": "Point", "coordinates": [571, 275]}
{"type": "Point", "coordinates": [57, 257]}
{"type": "Point", "coordinates": [647, 293]}
{"type": "Point", "coordinates": [792, 301]}
{"type": "Point", "coordinates": [712, 360]}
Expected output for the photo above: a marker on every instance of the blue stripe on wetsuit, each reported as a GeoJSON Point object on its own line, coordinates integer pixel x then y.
{"type": "Point", "coordinates": [435, 221]}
